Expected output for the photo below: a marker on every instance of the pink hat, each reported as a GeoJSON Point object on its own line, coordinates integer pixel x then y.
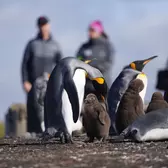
{"type": "Point", "coordinates": [97, 26]}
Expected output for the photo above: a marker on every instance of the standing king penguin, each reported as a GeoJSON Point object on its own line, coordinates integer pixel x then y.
{"type": "Point", "coordinates": [120, 85]}
{"type": "Point", "coordinates": [65, 94]}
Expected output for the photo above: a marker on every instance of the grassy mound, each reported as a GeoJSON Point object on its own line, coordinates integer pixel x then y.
{"type": "Point", "coordinates": [2, 130]}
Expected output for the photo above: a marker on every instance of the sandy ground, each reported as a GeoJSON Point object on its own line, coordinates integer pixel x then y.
{"type": "Point", "coordinates": [22, 153]}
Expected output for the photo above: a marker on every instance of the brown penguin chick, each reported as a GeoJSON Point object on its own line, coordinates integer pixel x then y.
{"type": "Point", "coordinates": [96, 120]}
{"type": "Point", "coordinates": [157, 102]}
{"type": "Point", "coordinates": [131, 106]}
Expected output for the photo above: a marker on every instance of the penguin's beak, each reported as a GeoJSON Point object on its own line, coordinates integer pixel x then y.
{"type": "Point", "coordinates": [103, 98]}
{"type": "Point", "coordinates": [139, 65]}
{"type": "Point", "coordinates": [87, 61]}
{"type": "Point", "coordinates": [148, 60]}
{"type": "Point", "coordinates": [48, 76]}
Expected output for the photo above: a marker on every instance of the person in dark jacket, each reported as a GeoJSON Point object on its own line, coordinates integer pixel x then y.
{"type": "Point", "coordinates": [41, 55]}
{"type": "Point", "coordinates": [99, 48]}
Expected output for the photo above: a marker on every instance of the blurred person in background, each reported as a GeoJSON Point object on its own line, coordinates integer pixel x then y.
{"type": "Point", "coordinates": [99, 48]}
{"type": "Point", "coordinates": [41, 55]}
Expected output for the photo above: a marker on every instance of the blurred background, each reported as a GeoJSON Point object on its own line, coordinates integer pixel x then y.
{"type": "Point", "coordinates": [138, 30]}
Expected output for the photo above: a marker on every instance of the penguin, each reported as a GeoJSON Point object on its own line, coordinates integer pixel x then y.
{"type": "Point", "coordinates": [157, 102]}
{"type": "Point", "coordinates": [96, 120]}
{"type": "Point", "coordinates": [130, 107]}
{"type": "Point", "coordinates": [150, 127]}
{"type": "Point", "coordinates": [120, 85]}
{"type": "Point", "coordinates": [64, 96]}
{"type": "Point", "coordinates": [40, 86]}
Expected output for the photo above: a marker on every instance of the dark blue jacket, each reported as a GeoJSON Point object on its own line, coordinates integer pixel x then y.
{"type": "Point", "coordinates": [101, 49]}
{"type": "Point", "coordinates": [40, 56]}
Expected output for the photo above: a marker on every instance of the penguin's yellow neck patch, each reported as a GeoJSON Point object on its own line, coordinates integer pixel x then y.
{"type": "Point", "coordinates": [142, 75]}
{"type": "Point", "coordinates": [133, 66]}
{"type": "Point", "coordinates": [99, 80]}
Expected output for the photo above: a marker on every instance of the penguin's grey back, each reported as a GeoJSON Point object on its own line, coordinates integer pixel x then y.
{"type": "Point", "coordinates": [118, 88]}
{"type": "Point", "coordinates": [75, 63]}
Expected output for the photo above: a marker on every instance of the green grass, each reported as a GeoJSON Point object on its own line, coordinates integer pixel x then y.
{"type": "Point", "coordinates": [2, 130]}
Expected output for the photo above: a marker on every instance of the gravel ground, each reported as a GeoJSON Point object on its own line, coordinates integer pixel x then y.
{"type": "Point", "coordinates": [22, 153]}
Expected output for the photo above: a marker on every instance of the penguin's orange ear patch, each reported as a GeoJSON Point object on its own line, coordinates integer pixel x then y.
{"type": "Point", "coordinates": [48, 76]}
{"type": "Point", "coordinates": [99, 80]}
{"type": "Point", "coordinates": [133, 66]}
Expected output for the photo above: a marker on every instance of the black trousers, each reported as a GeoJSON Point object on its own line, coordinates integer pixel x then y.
{"type": "Point", "coordinates": [33, 121]}
{"type": "Point", "coordinates": [166, 96]}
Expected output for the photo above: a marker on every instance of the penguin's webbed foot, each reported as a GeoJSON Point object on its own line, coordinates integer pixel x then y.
{"type": "Point", "coordinates": [46, 136]}
{"type": "Point", "coordinates": [65, 138]}
{"type": "Point", "coordinates": [49, 134]}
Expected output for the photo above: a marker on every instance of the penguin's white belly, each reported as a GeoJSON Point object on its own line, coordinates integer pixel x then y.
{"type": "Point", "coordinates": [155, 134]}
{"type": "Point", "coordinates": [67, 111]}
{"type": "Point", "coordinates": [144, 79]}
{"type": "Point", "coordinates": [79, 80]}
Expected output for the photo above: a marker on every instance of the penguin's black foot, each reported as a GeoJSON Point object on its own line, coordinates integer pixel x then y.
{"type": "Point", "coordinates": [46, 136]}
{"type": "Point", "coordinates": [65, 138]}
{"type": "Point", "coordinates": [49, 134]}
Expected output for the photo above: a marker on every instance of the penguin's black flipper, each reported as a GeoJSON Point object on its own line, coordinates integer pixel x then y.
{"type": "Point", "coordinates": [70, 87]}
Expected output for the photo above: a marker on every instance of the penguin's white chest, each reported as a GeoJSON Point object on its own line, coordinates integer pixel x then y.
{"type": "Point", "coordinates": [144, 79]}
{"type": "Point", "coordinates": [79, 80]}
{"type": "Point", "coordinates": [155, 134]}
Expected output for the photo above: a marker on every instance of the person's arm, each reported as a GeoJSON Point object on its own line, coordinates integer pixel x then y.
{"type": "Point", "coordinates": [24, 68]}
{"type": "Point", "coordinates": [80, 53]}
{"type": "Point", "coordinates": [109, 53]}
{"type": "Point", "coordinates": [58, 54]}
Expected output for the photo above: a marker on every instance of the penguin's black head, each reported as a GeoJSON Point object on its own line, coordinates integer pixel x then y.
{"type": "Point", "coordinates": [139, 65]}
{"type": "Point", "coordinates": [100, 86]}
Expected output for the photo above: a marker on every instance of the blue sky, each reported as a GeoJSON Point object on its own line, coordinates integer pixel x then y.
{"type": "Point", "coordinates": [138, 30]}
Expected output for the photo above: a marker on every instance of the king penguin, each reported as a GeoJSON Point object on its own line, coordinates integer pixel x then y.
{"type": "Point", "coordinates": [65, 94]}
{"type": "Point", "coordinates": [120, 85]}
{"type": "Point", "coordinates": [150, 127]}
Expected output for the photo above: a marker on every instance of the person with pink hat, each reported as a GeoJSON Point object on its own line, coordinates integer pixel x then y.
{"type": "Point", "coordinates": [99, 48]}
